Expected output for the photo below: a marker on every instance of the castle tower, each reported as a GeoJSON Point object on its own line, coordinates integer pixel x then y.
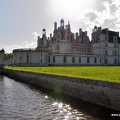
{"type": "Point", "coordinates": [62, 28]}
{"type": "Point", "coordinates": [62, 23]}
{"type": "Point", "coordinates": [38, 41]}
{"type": "Point", "coordinates": [44, 32]}
{"type": "Point", "coordinates": [69, 26]}
{"type": "Point", "coordinates": [95, 29]}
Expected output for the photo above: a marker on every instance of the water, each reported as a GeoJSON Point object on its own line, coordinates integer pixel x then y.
{"type": "Point", "coordinates": [19, 101]}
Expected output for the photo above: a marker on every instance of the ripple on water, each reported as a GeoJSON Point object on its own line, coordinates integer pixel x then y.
{"type": "Point", "coordinates": [18, 101]}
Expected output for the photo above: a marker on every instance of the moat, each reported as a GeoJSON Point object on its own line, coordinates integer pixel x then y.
{"type": "Point", "coordinates": [20, 101]}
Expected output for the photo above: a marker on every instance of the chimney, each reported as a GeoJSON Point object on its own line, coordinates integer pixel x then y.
{"type": "Point", "coordinates": [55, 25]}
{"type": "Point", "coordinates": [76, 35]}
{"type": "Point", "coordinates": [50, 36]}
{"type": "Point", "coordinates": [80, 31]}
{"type": "Point", "coordinates": [85, 33]}
{"type": "Point", "coordinates": [99, 29]}
{"type": "Point", "coordinates": [118, 33]}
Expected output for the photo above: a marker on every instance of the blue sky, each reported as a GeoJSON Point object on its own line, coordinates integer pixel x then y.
{"type": "Point", "coordinates": [21, 21]}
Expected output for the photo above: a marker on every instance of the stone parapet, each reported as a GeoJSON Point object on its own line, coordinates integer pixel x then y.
{"type": "Point", "coordinates": [106, 94]}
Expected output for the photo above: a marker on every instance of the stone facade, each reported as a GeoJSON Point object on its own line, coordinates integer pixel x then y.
{"type": "Point", "coordinates": [30, 57]}
{"type": "Point", "coordinates": [67, 48]}
{"type": "Point", "coordinates": [106, 43]}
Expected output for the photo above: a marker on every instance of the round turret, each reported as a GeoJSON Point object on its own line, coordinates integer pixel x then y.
{"type": "Point", "coordinates": [95, 28]}
{"type": "Point", "coordinates": [61, 22]}
{"type": "Point", "coordinates": [2, 50]}
{"type": "Point", "coordinates": [44, 31]}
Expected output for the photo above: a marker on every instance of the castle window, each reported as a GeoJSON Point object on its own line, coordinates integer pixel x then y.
{"type": "Point", "coordinates": [95, 60]}
{"type": "Point", "coordinates": [49, 59]}
{"type": "Point", "coordinates": [105, 44]}
{"type": "Point", "coordinates": [64, 59]}
{"type": "Point", "coordinates": [87, 49]}
{"type": "Point", "coordinates": [99, 38]}
{"type": "Point", "coordinates": [100, 60]}
{"type": "Point", "coordinates": [57, 47]}
{"type": "Point", "coordinates": [105, 52]}
{"type": "Point", "coordinates": [106, 38]}
{"type": "Point", "coordinates": [88, 60]}
{"type": "Point", "coordinates": [115, 61]}
{"type": "Point", "coordinates": [73, 59]}
{"type": "Point", "coordinates": [77, 49]}
{"type": "Point", "coordinates": [115, 39]}
{"type": "Point", "coordinates": [106, 61]}
{"type": "Point", "coordinates": [80, 48]}
{"type": "Point", "coordinates": [58, 35]}
{"type": "Point", "coordinates": [79, 59]}
{"type": "Point", "coordinates": [41, 60]}
{"type": "Point", "coordinates": [112, 52]}
{"type": "Point", "coordinates": [53, 59]}
{"type": "Point", "coordinates": [27, 57]}
{"type": "Point", "coordinates": [115, 53]}
{"type": "Point", "coordinates": [84, 49]}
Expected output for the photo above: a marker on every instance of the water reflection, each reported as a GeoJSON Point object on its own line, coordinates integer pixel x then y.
{"type": "Point", "coordinates": [1, 77]}
{"type": "Point", "coordinates": [19, 101]}
{"type": "Point", "coordinates": [68, 113]}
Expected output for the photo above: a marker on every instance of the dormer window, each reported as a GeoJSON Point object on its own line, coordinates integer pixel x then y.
{"type": "Point", "coordinates": [57, 47]}
{"type": "Point", "coordinates": [58, 35]}
{"type": "Point", "coordinates": [115, 39]}
{"type": "Point", "coordinates": [106, 38]}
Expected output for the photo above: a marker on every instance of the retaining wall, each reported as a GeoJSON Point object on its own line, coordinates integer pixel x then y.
{"type": "Point", "coordinates": [102, 93]}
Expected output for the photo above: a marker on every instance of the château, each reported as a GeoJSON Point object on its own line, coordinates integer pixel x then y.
{"type": "Point", "coordinates": [67, 48]}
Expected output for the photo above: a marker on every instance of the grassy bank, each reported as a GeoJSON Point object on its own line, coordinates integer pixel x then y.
{"type": "Point", "coordinates": [106, 73]}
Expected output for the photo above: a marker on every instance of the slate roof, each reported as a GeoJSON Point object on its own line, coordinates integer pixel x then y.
{"type": "Point", "coordinates": [111, 34]}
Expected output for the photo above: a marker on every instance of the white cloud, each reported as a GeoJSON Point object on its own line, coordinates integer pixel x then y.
{"type": "Point", "coordinates": [109, 17]}
{"type": "Point", "coordinates": [9, 48]}
{"type": "Point", "coordinates": [35, 34]}
{"type": "Point", "coordinates": [27, 44]}
{"type": "Point", "coordinates": [31, 44]}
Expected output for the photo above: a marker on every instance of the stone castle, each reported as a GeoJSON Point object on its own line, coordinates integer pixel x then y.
{"type": "Point", "coordinates": [67, 48]}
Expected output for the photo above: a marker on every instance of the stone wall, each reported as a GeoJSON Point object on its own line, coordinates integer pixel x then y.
{"type": "Point", "coordinates": [102, 93]}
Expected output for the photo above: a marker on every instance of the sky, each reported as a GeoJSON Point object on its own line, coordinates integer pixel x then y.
{"type": "Point", "coordinates": [21, 21]}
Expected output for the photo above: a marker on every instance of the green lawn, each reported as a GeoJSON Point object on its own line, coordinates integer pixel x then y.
{"type": "Point", "coordinates": [106, 73]}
